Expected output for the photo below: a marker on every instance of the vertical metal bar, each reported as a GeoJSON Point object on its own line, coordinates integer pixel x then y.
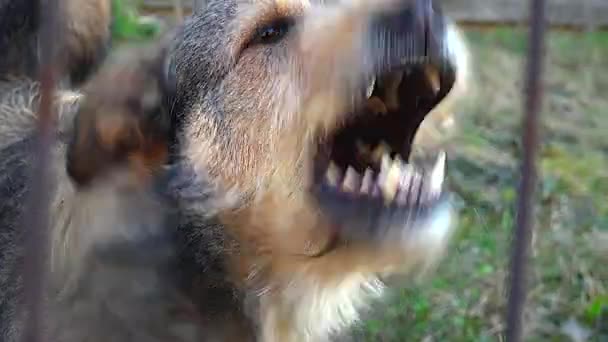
{"type": "Point", "coordinates": [533, 94]}
{"type": "Point", "coordinates": [178, 10]}
{"type": "Point", "coordinates": [37, 214]}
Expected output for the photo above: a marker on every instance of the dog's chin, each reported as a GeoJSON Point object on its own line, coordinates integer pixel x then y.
{"type": "Point", "coordinates": [363, 179]}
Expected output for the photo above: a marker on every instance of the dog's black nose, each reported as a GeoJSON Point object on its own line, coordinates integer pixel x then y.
{"type": "Point", "coordinates": [413, 32]}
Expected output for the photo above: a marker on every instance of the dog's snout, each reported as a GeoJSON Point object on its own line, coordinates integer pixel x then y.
{"type": "Point", "coordinates": [410, 33]}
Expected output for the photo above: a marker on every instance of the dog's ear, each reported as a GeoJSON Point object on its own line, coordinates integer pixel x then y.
{"type": "Point", "coordinates": [124, 118]}
{"type": "Point", "coordinates": [168, 83]}
{"type": "Point", "coordinates": [163, 65]}
{"type": "Point", "coordinates": [168, 77]}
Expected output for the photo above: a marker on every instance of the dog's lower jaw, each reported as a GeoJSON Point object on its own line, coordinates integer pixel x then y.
{"type": "Point", "coordinates": [424, 244]}
{"type": "Point", "coordinates": [311, 305]}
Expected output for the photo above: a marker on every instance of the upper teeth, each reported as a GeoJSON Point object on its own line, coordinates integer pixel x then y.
{"type": "Point", "coordinates": [390, 84]}
{"type": "Point", "coordinates": [375, 155]}
{"type": "Point", "coordinates": [432, 75]}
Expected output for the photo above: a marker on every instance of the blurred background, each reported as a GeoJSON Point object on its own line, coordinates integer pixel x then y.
{"type": "Point", "coordinates": [465, 300]}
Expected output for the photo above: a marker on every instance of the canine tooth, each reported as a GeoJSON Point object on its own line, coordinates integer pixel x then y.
{"type": "Point", "coordinates": [385, 163]}
{"type": "Point", "coordinates": [391, 183]}
{"type": "Point", "coordinates": [405, 183]}
{"type": "Point", "coordinates": [368, 181]}
{"type": "Point", "coordinates": [351, 180]}
{"type": "Point", "coordinates": [437, 174]}
{"type": "Point", "coordinates": [332, 175]}
{"type": "Point", "coordinates": [432, 76]}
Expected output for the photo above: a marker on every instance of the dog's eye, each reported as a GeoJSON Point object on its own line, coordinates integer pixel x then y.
{"type": "Point", "coordinates": [273, 32]}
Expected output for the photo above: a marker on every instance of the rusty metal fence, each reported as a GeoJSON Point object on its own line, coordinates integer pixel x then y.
{"type": "Point", "coordinates": [34, 274]}
{"type": "Point", "coordinates": [533, 93]}
{"type": "Point", "coordinates": [39, 196]}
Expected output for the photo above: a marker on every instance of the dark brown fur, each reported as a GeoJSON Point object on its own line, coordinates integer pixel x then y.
{"type": "Point", "coordinates": [85, 40]}
{"type": "Point", "coordinates": [256, 256]}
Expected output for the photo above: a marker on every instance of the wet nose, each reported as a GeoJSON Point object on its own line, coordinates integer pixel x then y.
{"type": "Point", "coordinates": [412, 32]}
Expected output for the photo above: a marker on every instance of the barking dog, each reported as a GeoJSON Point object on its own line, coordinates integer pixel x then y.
{"type": "Point", "coordinates": [303, 115]}
{"type": "Point", "coordinates": [293, 108]}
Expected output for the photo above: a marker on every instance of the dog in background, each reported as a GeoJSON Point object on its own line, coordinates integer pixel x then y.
{"type": "Point", "coordinates": [86, 36]}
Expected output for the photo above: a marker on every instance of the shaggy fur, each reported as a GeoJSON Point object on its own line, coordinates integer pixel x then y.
{"type": "Point", "coordinates": [85, 26]}
{"type": "Point", "coordinates": [181, 207]}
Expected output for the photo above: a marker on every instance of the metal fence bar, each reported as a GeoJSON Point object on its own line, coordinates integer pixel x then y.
{"type": "Point", "coordinates": [533, 93]}
{"type": "Point", "coordinates": [37, 218]}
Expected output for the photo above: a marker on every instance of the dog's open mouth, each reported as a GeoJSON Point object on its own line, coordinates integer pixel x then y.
{"type": "Point", "coordinates": [362, 172]}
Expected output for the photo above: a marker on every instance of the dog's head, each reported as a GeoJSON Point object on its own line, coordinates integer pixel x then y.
{"type": "Point", "coordinates": [316, 106]}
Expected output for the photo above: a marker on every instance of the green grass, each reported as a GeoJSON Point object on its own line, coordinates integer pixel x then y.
{"type": "Point", "coordinates": [464, 300]}
{"type": "Point", "coordinates": [127, 25]}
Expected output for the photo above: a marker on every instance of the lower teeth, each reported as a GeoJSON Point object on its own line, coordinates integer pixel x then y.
{"type": "Point", "coordinates": [367, 183]}
{"type": "Point", "coordinates": [351, 180]}
{"type": "Point", "coordinates": [397, 181]}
